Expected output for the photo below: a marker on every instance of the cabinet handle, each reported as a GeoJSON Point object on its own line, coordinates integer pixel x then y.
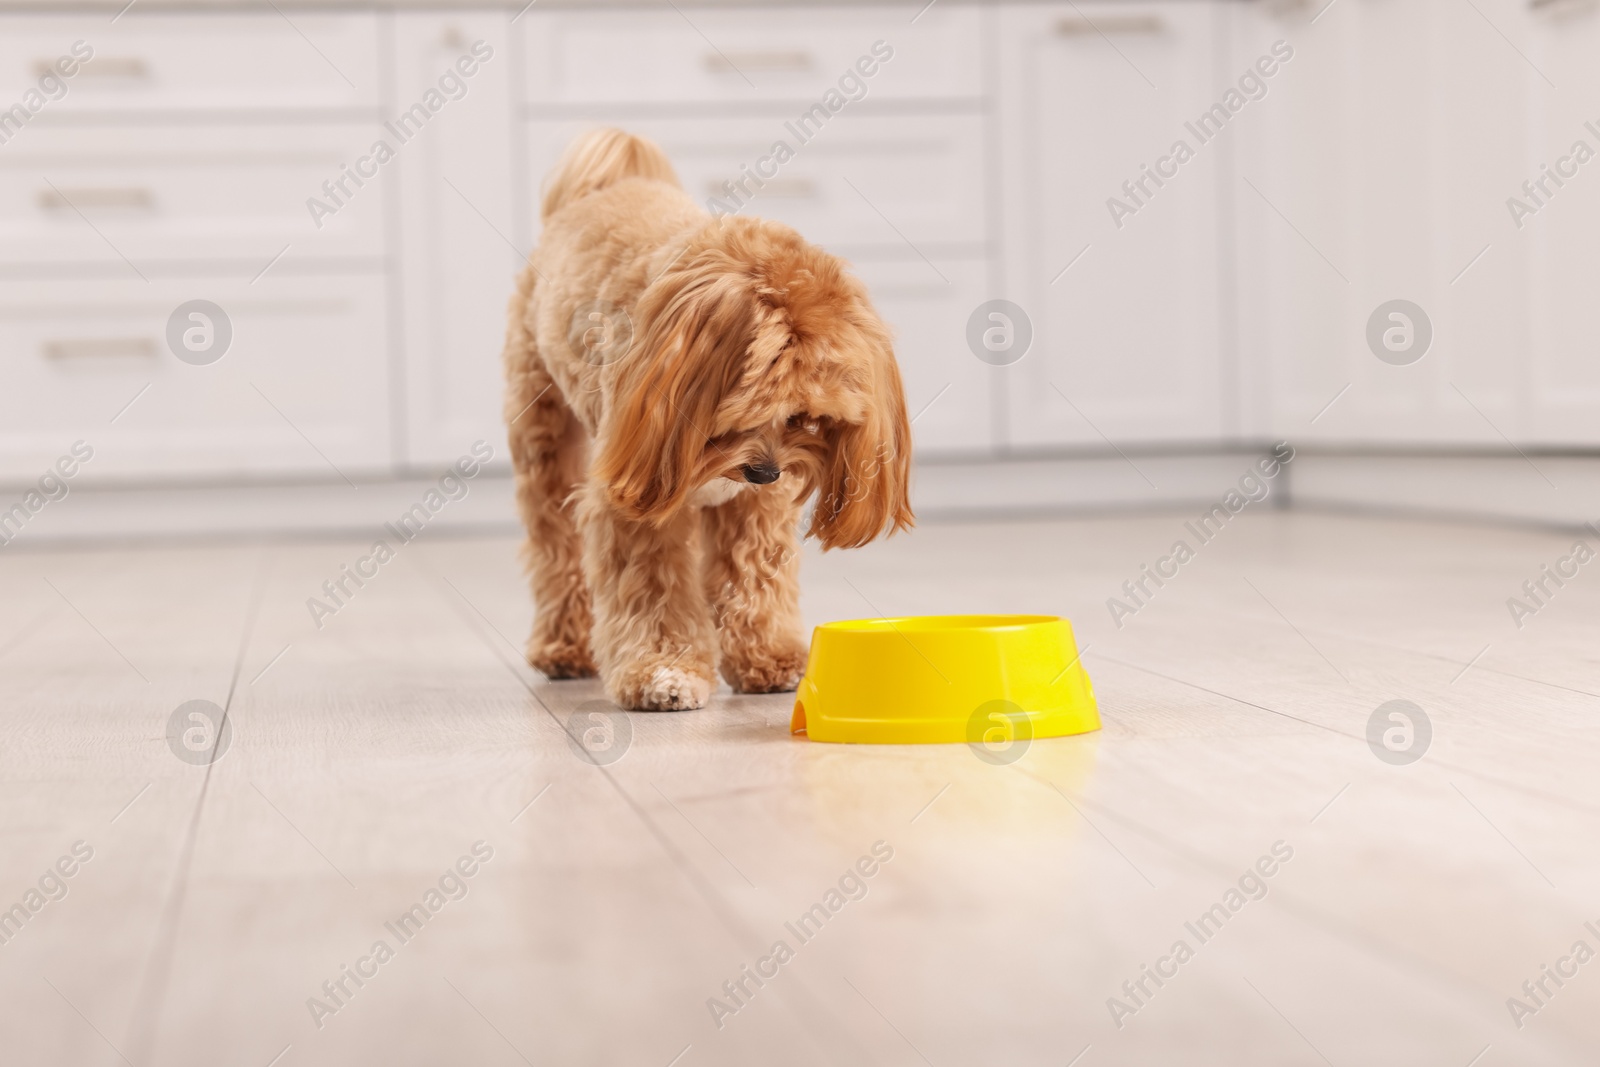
{"type": "Point", "coordinates": [1126, 24]}
{"type": "Point", "coordinates": [733, 62]}
{"type": "Point", "coordinates": [108, 67]}
{"type": "Point", "coordinates": [1570, 6]}
{"type": "Point", "coordinates": [101, 67]}
{"type": "Point", "coordinates": [783, 188]}
{"type": "Point", "coordinates": [100, 348]}
{"type": "Point", "coordinates": [113, 199]}
{"type": "Point", "coordinates": [791, 188]}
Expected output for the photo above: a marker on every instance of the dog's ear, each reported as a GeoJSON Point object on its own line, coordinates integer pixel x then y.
{"type": "Point", "coordinates": [866, 484]}
{"type": "Point", "coordinates": [692, 337]}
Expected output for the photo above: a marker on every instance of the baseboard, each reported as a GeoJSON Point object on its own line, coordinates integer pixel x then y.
{"type": "Point", "coordinates": [1127, 481]}
{"type": "Point", "coordinates": [1544, 489]}
{"type": "Point", "coordinates": [941, 489]}
{"type": "Point", "coordinates": [264, 511]}
{"type": "Point", "coordinates": [1478, 487]}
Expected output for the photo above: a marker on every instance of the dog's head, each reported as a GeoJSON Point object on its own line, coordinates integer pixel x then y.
{"type": "Point", "coordinates": [758, 358]}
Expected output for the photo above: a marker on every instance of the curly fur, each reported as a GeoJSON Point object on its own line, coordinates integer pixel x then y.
{"type": "Point", "coordinates": [650, 555]}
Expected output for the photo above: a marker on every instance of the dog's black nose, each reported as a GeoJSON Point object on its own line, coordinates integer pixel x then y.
{"type": "Point", "coordinates": [761, 473]}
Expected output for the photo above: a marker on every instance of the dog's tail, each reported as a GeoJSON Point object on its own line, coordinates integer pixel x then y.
{"type": "Point", "coordinates": [600, 158]}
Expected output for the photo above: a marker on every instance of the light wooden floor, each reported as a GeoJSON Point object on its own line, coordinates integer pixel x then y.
{"type": "Point", "coordinates": [372, 754]}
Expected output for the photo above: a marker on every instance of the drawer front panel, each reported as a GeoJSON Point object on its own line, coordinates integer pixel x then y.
{"type": "Point", "coordinates": [862, 182]}
{"type": "Point", "coordinates": [303, 377]}
{"type": "Point", "coordinates": [221, 61]}
{"type": "Point", "coordinates": [744, 56]}
{"type": "Point", "coordinates": [75, 193]}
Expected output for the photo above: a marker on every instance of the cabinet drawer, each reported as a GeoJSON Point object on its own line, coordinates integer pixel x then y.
{"type": "Point", "coordinates": [220, 61]}
{"type": "Point", "coordinates": [305, 373]}
{"type": "Point", "coordinates": [919, 175]}
{"type": "Point", "coordinates": [751, 55]}
{"type": "Point", "coordinates": [88, 194]}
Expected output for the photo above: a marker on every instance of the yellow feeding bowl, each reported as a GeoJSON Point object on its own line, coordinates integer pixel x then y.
{"type": "Point", "coordinates": [944, 678]}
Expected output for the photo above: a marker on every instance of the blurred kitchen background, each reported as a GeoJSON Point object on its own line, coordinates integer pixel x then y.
{"type": "Point", "coordinates": [343, 355]}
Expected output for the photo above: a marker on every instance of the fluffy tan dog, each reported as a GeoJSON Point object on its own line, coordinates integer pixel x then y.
{"type": "Point", "coordinates": [678, 387]}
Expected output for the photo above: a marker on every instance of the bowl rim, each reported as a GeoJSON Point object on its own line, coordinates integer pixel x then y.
{"type": "Point", "coordinates": [950, 624]}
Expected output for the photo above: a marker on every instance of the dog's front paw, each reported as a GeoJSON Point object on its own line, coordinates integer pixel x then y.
{"type": "Point", "coordinates": [561, 659]}
{"type": "Point", "coordinates": [764, 670]}
{"type": "Point", "coordinates": [662, 685]}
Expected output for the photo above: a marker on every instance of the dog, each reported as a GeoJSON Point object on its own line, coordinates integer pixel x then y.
{"type": "Point", "coordinates": [678, 387]}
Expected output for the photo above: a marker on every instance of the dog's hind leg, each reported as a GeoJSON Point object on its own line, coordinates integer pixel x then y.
{"type": "Point", "coordinates": [752, 576]}
{"type": "Point", "coordinates": [548, 456]}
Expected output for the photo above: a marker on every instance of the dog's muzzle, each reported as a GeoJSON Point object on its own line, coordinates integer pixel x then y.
{"type": "Point", "coordinates": [761, 473]}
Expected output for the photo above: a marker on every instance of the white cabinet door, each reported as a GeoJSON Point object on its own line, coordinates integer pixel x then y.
{"type": "Point", "coordinates": [1378, 171]}
{"type": "Point", "coordinates": [458, 257]}
{"type": "Point", "coordinates": [1124, 310]}
{"type": "Point", "coordinates": [947, 387]}
{"type": "Point", "coordinates": [1561, 400]}
{"type": "Point", "coordinates": [1294, 218]}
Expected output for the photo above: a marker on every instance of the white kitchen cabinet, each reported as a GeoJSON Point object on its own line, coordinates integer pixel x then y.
{"type": "Point", "coordinates": [176, 167]}
{"type": "Point", "coordinates": [1130, 330]}
{"type": "Point", "coordinates": [458, 258]}
{"type": "Point", "coordinates": [895, 182]}
{"type": "Point", "coordinates": [975, 164]}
